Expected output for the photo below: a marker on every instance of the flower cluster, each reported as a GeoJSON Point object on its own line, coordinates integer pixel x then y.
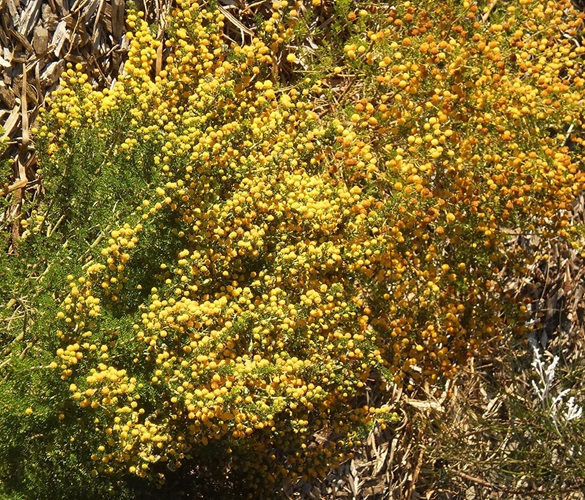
{"type": "Point", "coordinates": [315, 254]}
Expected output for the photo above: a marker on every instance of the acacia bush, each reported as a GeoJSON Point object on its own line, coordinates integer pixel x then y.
{"type": "Point", "coordinates": [253, 242]}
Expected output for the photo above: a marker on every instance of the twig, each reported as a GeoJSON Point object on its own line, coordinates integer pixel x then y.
{"type": "Point", "coordinates": [516, 491]}
{"type": "Point", "coordinates": [486, 16]}
{"type": "Point", "coordinates": [415, 474]}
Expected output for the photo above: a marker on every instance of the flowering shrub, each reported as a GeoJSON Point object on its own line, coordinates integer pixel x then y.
{"type": "Point", "coordinates": [302, 241]}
